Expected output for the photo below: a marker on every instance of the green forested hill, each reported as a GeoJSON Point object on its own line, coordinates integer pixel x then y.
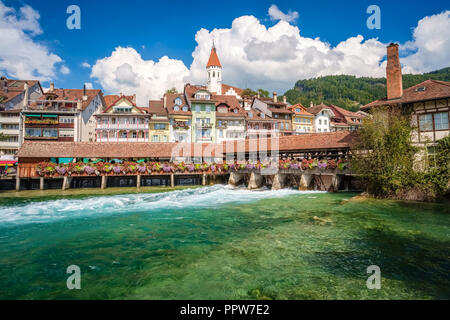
{"type": "Point", "coordinates": [350, 92]}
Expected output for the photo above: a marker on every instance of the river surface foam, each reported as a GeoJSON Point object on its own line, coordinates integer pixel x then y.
{"type": "Point", "coordinates": [207, 197]}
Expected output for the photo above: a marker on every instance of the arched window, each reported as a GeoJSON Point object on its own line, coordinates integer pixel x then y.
{"type": "Point", "coordinates": [214, 74]}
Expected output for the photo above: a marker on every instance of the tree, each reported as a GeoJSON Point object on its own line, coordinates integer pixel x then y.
{"type": "Point", "coordinates": [3, 137]}
{"type": "Point", "coordinates": [172, 91]}
{"type": "Point", "coordinates": [249, 92]}
{"type": "Point", "coordinates": [263, 93]}
{"type": "Point", "coordinates": [385, 158]}
{"type": "Point", "coordinates": [383, 154]}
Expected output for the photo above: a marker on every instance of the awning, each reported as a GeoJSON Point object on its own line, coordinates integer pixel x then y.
{"type": "Point", "coordinates": [9, 163]}
{"type": "Point", "coordinates": [33, 115]}
{"type": "Point", "coordinates": [65, 160]}
{"type": "Point", "coordinates": [49, 115]}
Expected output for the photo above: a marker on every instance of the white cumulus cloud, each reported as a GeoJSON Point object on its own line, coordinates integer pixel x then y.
{"type": "Point", "coordinates": [89, 85]}
{"type": "Point", "coordinates": [276, 14]}
{"type": "Point", "coordinates": [125, 71]}
{"type": "Point", "coordinates": [21, 56]}
{"type": "Point", "coordinates": [274, 58]}
{"type": "Point", "coordinates": [65, 70]}
{"type": "Point", "coordinates": [253, 55]}
{"type": "Point", "coordinates": [85, 65]}
{"type": "Point", "coordinates": [431, 44]}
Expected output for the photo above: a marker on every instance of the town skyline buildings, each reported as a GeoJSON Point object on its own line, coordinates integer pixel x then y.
{"type": "Point", "coordinates": [132, 56]}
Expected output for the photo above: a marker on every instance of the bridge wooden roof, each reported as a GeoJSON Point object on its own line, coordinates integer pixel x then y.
{"type": "Point", "coordinates": [304, 142]}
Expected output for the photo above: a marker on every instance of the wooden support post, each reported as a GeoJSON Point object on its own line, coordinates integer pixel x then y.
{"type": "Point", "coordinates": [138, 181]}
{"type": "Point", "coordinates": [172, 180]}
{"type": "Point", "coordinates": [41, 183]}
{"type": "Point", "coordinates": [104, 182]}
{"type": "Point", "coordinates": [17, 183]}
{"type": "Point", "coordinates": [204, 179]}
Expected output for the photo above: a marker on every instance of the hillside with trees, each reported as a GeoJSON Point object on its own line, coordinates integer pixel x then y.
{"type": "Point", "coordinates": [350, 92]}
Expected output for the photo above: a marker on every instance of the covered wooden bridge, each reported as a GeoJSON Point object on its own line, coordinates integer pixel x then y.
{"type": "Point", "coordinates": [146, 163]}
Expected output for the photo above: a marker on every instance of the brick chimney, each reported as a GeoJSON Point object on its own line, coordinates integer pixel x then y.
{"type": "Point", "coordinates": [393, 73]}
{"type": "Point", "coordinates": [275, 97]}
{"type": "Point", "coordinates": [284, 100]}
{"type": "Point", "coordinates": [85, 97]}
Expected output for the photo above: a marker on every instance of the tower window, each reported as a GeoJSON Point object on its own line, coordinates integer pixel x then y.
{"type": "Point", "coordinates": [214, 74]}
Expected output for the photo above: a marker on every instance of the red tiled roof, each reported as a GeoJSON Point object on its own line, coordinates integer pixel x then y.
{"type": "Point", "coordinates": [170, 104]}
{"type": "Point", "coordinates": [302, 112]}
{"type": "Point", "coordinates": [231, 103]}
{"type": "Point", "coordinates": [346, 116]}
{"type": "Point", "coordinates": [157, 107]}
{"type": "Point", "coordinates": [314, 141]}
{"type": "Point", "coordinates": [190, 90]}
{"type": "Point", "coordinates": [118, 98]}
{"type": "Point", "coordinates": [311, 141]}
{"type": "Point", "coordinates": [213, 59]}
{"type": "Point", "coordinates": [316, 109]}
{"type": "Point", "coordinates": [256, 116]}
{"type": "Point", "coordinates": [110, 150]}
{"type": "Point", "coordinates": [109, 99]}
{"type": "Point", "coordinates": [280, 110]}
{"type": "Point", "coordinates": [15, 87]}
{"type": "Point", "coordinates": [73, 95]}
{"type": "Point", "coordinates": [434, 89]}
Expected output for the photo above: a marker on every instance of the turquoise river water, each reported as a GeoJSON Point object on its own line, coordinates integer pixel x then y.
{"type": "Point", "coordinates": [223, 243]}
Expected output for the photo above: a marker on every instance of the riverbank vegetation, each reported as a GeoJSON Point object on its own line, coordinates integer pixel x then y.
{"type": "Point", "coordinates": [392, 167]}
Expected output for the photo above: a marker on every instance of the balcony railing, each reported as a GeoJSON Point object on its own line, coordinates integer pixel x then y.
{"type": "Point", "coordinates": [112, 139]}
{"type": "Point", "coordinates": [122, 126]}
{"type": "Point", "coordinates": [59, 107]}
{"type": "Point", "coordinates": [204, 138]}
{"type": "Point", "coordinates": [204, 125]}
{"type": "Point", "coordinates": [41, 121]}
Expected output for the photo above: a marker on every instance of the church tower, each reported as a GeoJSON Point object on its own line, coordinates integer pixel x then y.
{"type": "Point", "coordinates": [214, 70]}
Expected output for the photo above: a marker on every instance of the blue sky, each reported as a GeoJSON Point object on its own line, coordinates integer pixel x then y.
{"type": "Point", "coordinates": [167, 28]}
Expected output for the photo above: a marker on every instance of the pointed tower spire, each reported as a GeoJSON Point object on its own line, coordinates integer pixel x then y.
{"type": "Point", "coordinates": [213, 58]}
{"type": "Point", "coordinates": [214, 71]}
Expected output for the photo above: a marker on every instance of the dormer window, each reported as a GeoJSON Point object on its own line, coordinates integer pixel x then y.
{"type": "Point", "coordinates": [178, 101]}
{"type": "Point", "coordinates": [250, 115]}
{"type": "Point", "coordinates": [185, 108]}
{"type": "Point", "coordinates": [235, 110]}
{"type": "Point", "coordinates": [297, 110]}
{"type": "Point", "coordinates": [262, 115]}
{"type": "Point", "coordinates": [421, 89]}
{"type": "Point", "coordinates": [202, 95]}
{"type": "Point", "coordinates": [176, 108]}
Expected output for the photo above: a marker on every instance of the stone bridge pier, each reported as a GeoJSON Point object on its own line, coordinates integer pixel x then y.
{"type": "Point", "coordinates": [279, 181]}
{"type": "Point", "coordinates": [235, 178]}
{"type": "Point", "coordinates": [256, 181]}
{"type": "Point", "coordinates": [305, 181]}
